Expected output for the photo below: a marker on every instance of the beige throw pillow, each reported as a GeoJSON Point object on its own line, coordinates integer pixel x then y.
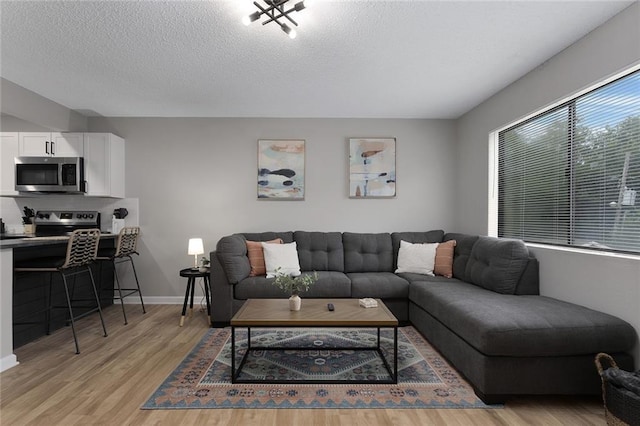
{"type": "Point", "coordinates": [282, 259]}
{"type": "Point", "coordinates": [256, 256]}
{"type": "Point", "coordinates": [444, 259]}
{"type": "Point", "coordinates": [416, 258]}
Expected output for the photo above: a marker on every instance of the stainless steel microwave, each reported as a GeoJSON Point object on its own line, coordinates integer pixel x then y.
{"type": "Point", "coordinates": [50, 174]}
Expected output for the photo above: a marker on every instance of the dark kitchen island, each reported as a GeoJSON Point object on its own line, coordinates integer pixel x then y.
{"type": "Point", "coordinates": [30, 290]}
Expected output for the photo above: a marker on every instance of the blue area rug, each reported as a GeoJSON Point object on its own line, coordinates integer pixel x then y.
{"type": "Point", "coordinates": [203, 378]}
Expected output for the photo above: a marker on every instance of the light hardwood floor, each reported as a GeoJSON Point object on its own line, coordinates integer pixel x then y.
{"type": "Point", "coordinates": [108, 382]}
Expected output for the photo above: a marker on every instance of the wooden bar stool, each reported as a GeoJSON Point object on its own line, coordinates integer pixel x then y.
{"type": "Point", "coordinates": [125, 247]}
{"type": "Point", "coordinates": [81, 253]}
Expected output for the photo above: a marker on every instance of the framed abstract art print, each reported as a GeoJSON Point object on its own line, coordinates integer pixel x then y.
{"type": "Point", "coordinates": [372, 167]}
{"type": "Point", "coordinates": [281, 169]}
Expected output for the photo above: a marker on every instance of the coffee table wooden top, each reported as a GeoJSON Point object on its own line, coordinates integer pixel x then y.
{"type": "Point", "coordinates": [314, 313]}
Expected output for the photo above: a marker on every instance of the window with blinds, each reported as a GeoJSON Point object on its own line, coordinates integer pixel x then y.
{"type": "Point", "coordinates": [571, 176]}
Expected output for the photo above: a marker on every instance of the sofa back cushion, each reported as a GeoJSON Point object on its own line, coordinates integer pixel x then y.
{"type": "Point", "coordinates": [464, 244]}
{"type": "Point", "coordinates": [414, 238]}
{"type": "Point", "coordinates": [367, 252]}
{"type": "Point", "coordinates": [320, 251]}
{"type": "Point", "coordinates": [497, 264]}
{"type": "Point", "coordinates": [287, 237]}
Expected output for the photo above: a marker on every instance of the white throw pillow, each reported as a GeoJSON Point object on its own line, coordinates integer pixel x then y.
{"type": "Point", "coordinates": [416, 258]}
{"type": "Point", "coordinates": [283, 256]}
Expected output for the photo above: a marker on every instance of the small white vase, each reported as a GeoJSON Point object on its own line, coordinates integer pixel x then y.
{"type": "Point", "coordinates": [295, 302]}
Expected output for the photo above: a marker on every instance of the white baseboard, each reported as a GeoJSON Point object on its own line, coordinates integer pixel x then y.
{"type": "Point", "coordinates": [7, 362]}
{"type": "Point", "coordinates": [156, 300]}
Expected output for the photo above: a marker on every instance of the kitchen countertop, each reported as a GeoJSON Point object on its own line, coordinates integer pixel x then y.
{"type": "Point", "coordinates": [25, 240]}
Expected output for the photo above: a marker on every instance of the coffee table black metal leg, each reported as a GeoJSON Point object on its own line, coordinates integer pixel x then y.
{"type": "Point", "coordinates": [233, 354]}
{"type": "Point", "coordinates": [395, 354]}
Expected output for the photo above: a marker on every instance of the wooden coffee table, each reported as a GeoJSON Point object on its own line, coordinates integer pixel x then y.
{"type": "Point", "coordinates": [274, 313]}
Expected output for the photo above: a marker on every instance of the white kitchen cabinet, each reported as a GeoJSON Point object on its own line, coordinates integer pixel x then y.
{"type": "Point", "coordinates": [104, 165]}
{"type": "Point", "coordinates": [44, 144]}
{"type": "Point", "coordinates": [9, 142]}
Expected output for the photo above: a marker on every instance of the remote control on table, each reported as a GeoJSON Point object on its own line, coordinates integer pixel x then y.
{"type": "Point", "coordinates": [330, 306]}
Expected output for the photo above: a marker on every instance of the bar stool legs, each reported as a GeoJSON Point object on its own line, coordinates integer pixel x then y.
{"type": "Point", "coordinates": [130, 291]}
{"type": "Point", "coordinates": [125, 247]}
{"type": "Point", "coordinates": [73, 317]}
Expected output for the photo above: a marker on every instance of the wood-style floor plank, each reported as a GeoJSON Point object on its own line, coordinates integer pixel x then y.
{"type": "Point", "coordinates": [112, 377]}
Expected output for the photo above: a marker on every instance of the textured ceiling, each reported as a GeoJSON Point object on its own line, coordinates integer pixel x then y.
{"type": "Point", "coordinates": [393, 59]}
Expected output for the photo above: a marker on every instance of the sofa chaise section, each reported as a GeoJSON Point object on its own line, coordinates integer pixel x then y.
{"type": "Point", "coordinates": [503, 336]}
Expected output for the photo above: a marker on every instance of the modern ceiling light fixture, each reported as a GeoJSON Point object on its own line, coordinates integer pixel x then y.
{"type": "Point", "coordinates": [274, 11]}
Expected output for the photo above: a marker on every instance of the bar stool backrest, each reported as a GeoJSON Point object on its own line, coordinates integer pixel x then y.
{"type": "Point", "coordinates": [127, 241]}
{"type": "Point", "coordinates": [82, 248]}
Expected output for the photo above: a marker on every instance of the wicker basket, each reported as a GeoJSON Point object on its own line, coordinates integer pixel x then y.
{"type": "Point", "coordinates": [621, 406]}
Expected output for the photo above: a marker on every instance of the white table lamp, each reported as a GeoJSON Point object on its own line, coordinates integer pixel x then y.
{"type": "Point", "coordinates": [195, 248]}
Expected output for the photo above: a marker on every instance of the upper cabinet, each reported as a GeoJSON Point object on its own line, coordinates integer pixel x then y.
{"type": "Point", "coordinates": [103, 153]}
{"type": "Point", "coordinates": [104, 165]}
{"type": "Point", "coordinates": [41, 144]}
{"type": "Point", "coordinates": [8, 150]}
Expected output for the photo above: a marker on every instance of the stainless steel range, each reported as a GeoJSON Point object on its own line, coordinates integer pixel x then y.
{"type": "Point", "coordinates": [58, 222]}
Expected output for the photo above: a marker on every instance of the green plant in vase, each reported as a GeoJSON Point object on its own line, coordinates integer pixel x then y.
{"type": "Point", "coordinates": [204, 264]}
{"type": "Point", "coordinates": [293, 285]}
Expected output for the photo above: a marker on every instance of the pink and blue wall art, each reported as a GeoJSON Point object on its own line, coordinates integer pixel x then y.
{"type": "Point", "coordinates": [281, 169]}
{"type": "Point", "coordinates": [372, 167]}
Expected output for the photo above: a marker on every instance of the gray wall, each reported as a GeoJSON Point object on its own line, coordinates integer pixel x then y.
{"type": "Point", "coordinates": [41, 112]}
{"type": "Point", "coordinates": [604, 282]}
{"type": "Point", "coordinates": [197, 177]}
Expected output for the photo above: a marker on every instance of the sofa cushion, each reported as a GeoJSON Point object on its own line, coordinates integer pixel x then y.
{"type": "Point", "coordinates": [497, 264]}
{"type": "Point", "coordinates": [427, 278]}
{"type": "Point", "coordinates": [464, 244]}
{"type": "Point", "coordinates": [418, 258]}
{"type": "Point", "coordinates": [385, 285]}
{"type": "Point", "coordinates": [329, 285]}
{"type": "Point", "coordinates": [320, 251]}
{"type": "Point", "coordinates": [232, 254]}
{"type": "Point", "coordinates": [256, 256]}
{"type": "Point", "coordinates": [367, 252]}
{"type": "Point", "coordinates": [520, 326]}
{"type": "Point", "coordinates": [434, 236]}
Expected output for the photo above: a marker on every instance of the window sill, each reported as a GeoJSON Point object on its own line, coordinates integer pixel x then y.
{"type": "Point", "coordinates": [585, 251]}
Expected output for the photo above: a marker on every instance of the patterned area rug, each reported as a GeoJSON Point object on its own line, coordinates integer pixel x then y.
{"type": "Point", "coordinates": [203, 378]}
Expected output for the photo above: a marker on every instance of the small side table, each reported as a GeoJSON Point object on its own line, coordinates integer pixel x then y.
{"type": "Point", "coordinates": [192, 274]}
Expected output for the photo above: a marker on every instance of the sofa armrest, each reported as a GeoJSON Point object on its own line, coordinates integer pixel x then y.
{"type": "Point", "coordinates": [221, 292]}
{"type": "Point", "coordinates": [232, 255]}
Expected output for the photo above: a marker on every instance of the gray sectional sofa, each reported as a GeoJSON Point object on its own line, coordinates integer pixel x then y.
{"type": "Point", "coordinates": [488, 320]}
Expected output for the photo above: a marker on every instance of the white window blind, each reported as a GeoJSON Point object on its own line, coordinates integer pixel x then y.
{"type": "Point", "coordinates": [571, 176]}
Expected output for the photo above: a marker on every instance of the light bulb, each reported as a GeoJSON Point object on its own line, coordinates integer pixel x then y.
{"type": "Point", "coordinates": [251, 18]}
{"type": "Point", "coordinates": [290, 31]}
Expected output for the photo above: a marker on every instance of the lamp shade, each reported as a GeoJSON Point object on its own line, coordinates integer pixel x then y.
{"type": "Point", "coordinates": [195, 246]}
